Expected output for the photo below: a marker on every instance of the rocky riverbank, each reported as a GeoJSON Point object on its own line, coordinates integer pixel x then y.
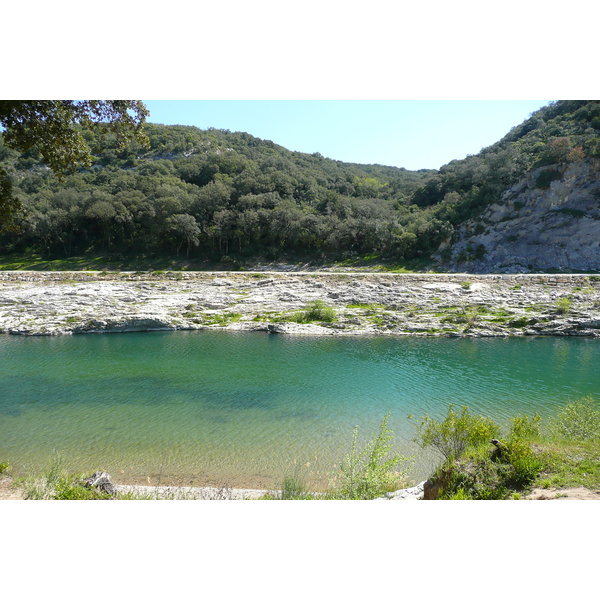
{"type": "Point", "coordinates": [53, 303]}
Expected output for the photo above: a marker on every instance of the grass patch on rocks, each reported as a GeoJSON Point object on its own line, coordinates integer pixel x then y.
{"type": "Point", "coordinates": [315, 311]}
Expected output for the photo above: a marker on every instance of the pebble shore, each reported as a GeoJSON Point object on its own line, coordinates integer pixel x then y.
{"type": "Point", "coordinates": [225, 493]}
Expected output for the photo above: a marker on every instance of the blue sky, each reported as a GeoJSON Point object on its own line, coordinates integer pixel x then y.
{"type": "Point", "coordinates": [414, 134]}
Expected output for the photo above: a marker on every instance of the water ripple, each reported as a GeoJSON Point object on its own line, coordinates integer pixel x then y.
{"type": "Point", "coordinates": [241, 402]}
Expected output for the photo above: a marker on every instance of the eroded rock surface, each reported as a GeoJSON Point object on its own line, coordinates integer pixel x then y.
{"type": "Point", "coordinates": [535, 226]}
{"type": "Point", "coordinates": [42, 303]}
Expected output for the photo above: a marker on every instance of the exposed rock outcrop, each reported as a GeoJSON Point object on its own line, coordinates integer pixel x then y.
{"type": "Point", "coordinates": [375, 303]}
{"type": "Point", "coordinates": [122, 325]}
{"type": "Point", "coordinates": [548, 221]}
{"type": "Point", "coordinates": [102, 482]}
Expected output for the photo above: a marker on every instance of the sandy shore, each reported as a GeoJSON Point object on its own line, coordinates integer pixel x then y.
{"type": "Point", "coordinates": [8, 492]}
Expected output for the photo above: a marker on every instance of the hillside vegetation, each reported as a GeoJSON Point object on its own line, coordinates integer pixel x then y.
{"type": "Point", "coordinates": [222, 196]}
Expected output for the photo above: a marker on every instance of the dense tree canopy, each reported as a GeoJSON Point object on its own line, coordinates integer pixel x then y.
{"type": "Point", "coordinates": [54, 129]}
{"type": "Point", "coordinates": [218, 193]}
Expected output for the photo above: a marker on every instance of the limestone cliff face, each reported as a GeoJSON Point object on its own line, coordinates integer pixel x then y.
{"type": "Point", "coordinates": [547, 221]}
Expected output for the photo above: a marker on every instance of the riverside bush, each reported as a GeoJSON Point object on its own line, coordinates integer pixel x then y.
{"type": "Point", "coordinates": [578, 420]}
{"type": "Point", "coordinates": [524, 427]}
{"type": "Point", "coordinates": [456, 432]}
{"type": "Point", "coordinates": [372, 471]}
{"type": "Point", "coordinates": [524, 465]}
{"type": "Point", "coordinates": [483, 475]}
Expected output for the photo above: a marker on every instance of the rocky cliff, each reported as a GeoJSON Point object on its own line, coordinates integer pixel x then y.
{"type": "Point", "coordinates": [548, 221]}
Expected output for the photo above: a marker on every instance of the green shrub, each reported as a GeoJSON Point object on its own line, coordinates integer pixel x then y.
{"type": "Point", "coordinates": [480, 252]}
{"type": "Point", "coordinates": [456, 432]}
{"type": "Point", "coordinates": [460, 494]}
{"type": "Point", "coordinates": [372, 471]}
{"type": "Point", "coordinates": [73, 490]}
{"type": "Point", "coordinates": [519, 323]}
{"type": "Point", "coordinates": [578, 420]}
{"type": "Point", "coordinates": [470, 315]}
{"type": "Point", "coordinates": [483, 475]}
{"type": "Point", "coordinates": [571, 212]}
{"type": "Point", "coordinates": [222, 320]}
{"type": "Point", "coordinates": [471, 478]}
{"type": "Point", "coordinates": [4, 467]}
{"type": "Point", "coordinates": [293, 487]}
{"type": "Point", "coordinates": [525, 466]}
{"type": "Point", "coordinates": [316, 310]}
{"type": "Point", "coordinates": [524, 427]}
{"type": "Point", "coordinates": [563, 305]}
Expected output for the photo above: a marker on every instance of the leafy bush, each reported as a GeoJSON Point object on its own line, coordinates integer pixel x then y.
{"type": "Point", "coordinates": [372, 471]}
{"type": "Point", "coordinates": [474, 477]}
{"type": "Point", "coordinates": [470, 314]}
{"type": "Point", "coordinates": [73, 490]}
{"type": "Point", "coordinates": [4, 467]}
{"type": "Point", "coordinates": [481, 475]}
{"type": "Point", "coordinates": [578, 420]}
{"type": "Point", "coordinates": [524, 465]}
{"type": "Point", "coordinates": [524, 427]}
{"type": "Point", "coordinates": [520, 322]}
{"type": "Point", "coordinates": [563, 305]}
{"type": "Point", "coordinates": [517, 451]}
{"type": "Point", "coordinates": [456, 432]}
{"type": "Point", "coordinates": [292, 488]}
{"type": "Point", "coordinates": [316, 310]}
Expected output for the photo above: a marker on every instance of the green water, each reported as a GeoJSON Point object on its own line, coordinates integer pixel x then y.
{"type": "Point", "coordinates": [245, 409]}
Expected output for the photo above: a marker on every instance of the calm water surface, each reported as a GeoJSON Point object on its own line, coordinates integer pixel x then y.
{"type": "Point", "coordinates": [245, 409]}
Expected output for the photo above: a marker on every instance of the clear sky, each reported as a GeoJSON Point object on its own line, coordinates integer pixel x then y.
{"type": "Point", "coordinates": [414, 134]}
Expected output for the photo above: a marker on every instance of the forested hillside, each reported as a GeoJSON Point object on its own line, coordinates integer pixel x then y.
{"type": "Point", "coordinates": [211, 194]}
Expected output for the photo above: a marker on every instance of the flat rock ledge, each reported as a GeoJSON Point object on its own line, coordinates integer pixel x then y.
{"type": "Point", "coordinates": [451, 305]}
{"type": "Point", "coordinates": [412, 493]}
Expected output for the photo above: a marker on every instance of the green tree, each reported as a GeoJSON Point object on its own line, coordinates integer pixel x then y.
{"type": "Point", "coordinates": [185, 230]}
{"type": "Point", "coordinates": [54, 128]}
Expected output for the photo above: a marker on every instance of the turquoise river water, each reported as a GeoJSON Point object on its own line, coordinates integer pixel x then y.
{"type": "Point", "coordinates": [244, 409]}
